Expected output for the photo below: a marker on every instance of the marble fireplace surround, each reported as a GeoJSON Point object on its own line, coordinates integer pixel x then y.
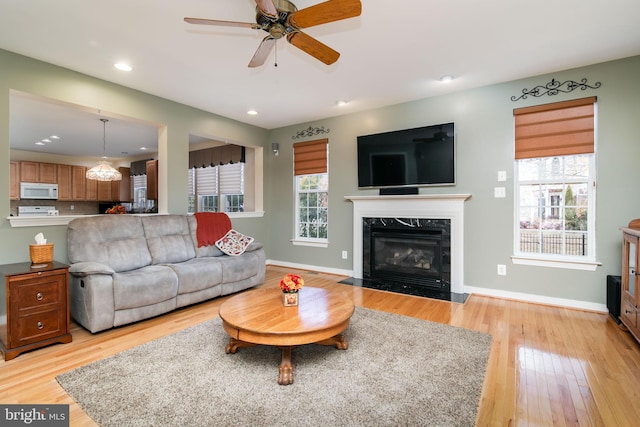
{"type": "Point", "coordinates": [423, 206]}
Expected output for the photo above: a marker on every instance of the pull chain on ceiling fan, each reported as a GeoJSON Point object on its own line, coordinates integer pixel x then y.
{"type": "Point", "coordinates": [281, 18]}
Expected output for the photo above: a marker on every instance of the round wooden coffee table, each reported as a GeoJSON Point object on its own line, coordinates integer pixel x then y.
{"type": "Point", "coordinates": [260, 317]}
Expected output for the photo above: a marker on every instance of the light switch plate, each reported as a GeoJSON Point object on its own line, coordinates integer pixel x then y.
{"type": "Point", "coordinates": [502, 176]}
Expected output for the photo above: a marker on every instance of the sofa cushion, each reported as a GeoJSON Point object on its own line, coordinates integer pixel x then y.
{"type": "Point", "coordinates": [145, 286]}
{"type": "Point", "coordinates": [234, 243]}
{"type": "Point", "coordinates": [239, 267]}
{"type": "Point", "coordinates": [114, 240]}
{"type": "Point", "coordinates": [197, 274]}
{"type": "Point", "coordinates": [168, 238]}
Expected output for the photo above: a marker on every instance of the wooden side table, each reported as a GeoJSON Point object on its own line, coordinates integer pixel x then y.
{"type": "Point", "coordinates": [34, 307]}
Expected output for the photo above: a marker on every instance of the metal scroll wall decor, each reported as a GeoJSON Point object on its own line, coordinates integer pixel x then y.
{"type": "Point", "coordinates": [554, 87]}
{"type": "Point", "coordinates": [310, 131]}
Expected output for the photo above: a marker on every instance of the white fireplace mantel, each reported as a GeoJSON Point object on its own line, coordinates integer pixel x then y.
{"type": "Point", "coordinates": [424, 206]}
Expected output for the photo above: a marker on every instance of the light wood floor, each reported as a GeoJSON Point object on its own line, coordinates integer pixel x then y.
{"type": "Point", "coordinates": [548, 365]}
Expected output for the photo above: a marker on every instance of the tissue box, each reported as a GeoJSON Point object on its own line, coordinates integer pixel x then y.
{"type": "Point", "coordinates": [41, 253]}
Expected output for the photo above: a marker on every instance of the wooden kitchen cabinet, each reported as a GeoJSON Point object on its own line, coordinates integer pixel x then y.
{"type": "Point", "coordinates": [630, 281]}
{"type": "Point", "coordinates": [65, 179]}
{"type": "Point", "coordinates": [104, 191]}
{"type": "Point", "coordinates": [14, 170]}
{"type": "Point", "coordinates": [91, 190]}
{"type": "Point", "coordinates": [34, 307]}
{"type": "Point", "coordinates": [122, 189]}
{"type": "Point", "coordinates": [79, 185]}
{"type": "Point", "coordinates": [152, 180]}
{"type": "Point", "coordinates": [38, 172]}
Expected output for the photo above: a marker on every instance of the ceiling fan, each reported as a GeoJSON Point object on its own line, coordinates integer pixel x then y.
{"type": "Point", "coordinates": [281, 18]}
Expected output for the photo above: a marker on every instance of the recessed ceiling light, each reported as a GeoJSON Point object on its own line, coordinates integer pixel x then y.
{"type": "Point", "coordinates": [54, 137]}
{"type": "Point", "coordinates": [46, 140]}
{"type": "Point", "coordinates": [446, 78]}
{"type": "Point", "coordinates": [123, 67]}
{"type": "Point", "coordinates": [143, 148]}
{"type": "Point", "coordinates": [39, 143]}
{"type": "Point", "coordinates": [341, 103]}
{"type": "Point", "coordinates": [252, 112]}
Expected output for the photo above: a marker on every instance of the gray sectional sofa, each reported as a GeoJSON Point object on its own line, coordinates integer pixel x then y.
{"type": "Point", "coordinates": [126, 268]}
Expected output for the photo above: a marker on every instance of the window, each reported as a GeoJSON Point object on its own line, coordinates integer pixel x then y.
{"type": "Point", "coordinates": [311, 191]}
{"type": "Point", "coordinates": [139, 184]}
{"type": "Point", "coordinates": [213, 185]}
{"type": "Point", "coordinates": [312, 206]}
{"type": "Point", "coordinates": [232, 186]}
{"type": "Point", "coordinates": [555, 181]}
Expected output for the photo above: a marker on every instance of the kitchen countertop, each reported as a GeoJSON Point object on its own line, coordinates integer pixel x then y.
{"type": "Point", "coordinates": [39, 221]}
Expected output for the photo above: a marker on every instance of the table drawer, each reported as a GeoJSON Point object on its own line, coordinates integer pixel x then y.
{"type": "Point", "coordinates": [629, 313]}
{"type": "Point", "coordinates": [39, 326]}
{"type": "Point", "coordinates": [32, 294]}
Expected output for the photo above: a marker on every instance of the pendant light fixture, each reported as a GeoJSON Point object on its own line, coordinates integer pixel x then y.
{"type": "Point", "coordinates": [103, 171]}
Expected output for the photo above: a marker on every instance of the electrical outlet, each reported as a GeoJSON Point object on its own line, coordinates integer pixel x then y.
{"type": "Point", "coordinates": [500, 192]}
{"type": "Point", "coordinates": [345, 255]}
{"type": "Point", "coordinates": [502, 270]}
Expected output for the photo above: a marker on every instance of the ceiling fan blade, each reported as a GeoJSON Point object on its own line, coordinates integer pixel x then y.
{"type": "Point", "coordinates": [313, 47]}
{"type": "Point", "coordinates": [263, 51]}
{"type": "Point", "coordinates": [200, 21]}
{"type": "Point", "coordinates": [267, 7]}
{"type": "Point", "coordinates": [329, 11]}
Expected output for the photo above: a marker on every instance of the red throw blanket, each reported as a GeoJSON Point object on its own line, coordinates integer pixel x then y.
{"type": "Point", "coordinates": [211, 227]}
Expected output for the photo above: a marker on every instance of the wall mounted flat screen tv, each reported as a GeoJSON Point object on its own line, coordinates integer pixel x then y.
{"type": "Point", "coordinates": [407, 158]}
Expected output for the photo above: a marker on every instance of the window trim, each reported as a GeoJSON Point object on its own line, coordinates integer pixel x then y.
{"type": "Point", "coordinates": [309, 158]}
{"type": "Point", "coordinates": [307, 241]}
{"type": "Point", "coordinates": [588, 262]}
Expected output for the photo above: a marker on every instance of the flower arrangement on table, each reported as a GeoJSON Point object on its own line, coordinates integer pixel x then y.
{"type": "Point", "coordinates": [117, 209]}
{"type": "Point", "coordinates": [291, 283]}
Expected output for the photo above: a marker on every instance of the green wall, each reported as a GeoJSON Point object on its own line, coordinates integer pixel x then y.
{"type": "Point", "coordinates": [484, 136]}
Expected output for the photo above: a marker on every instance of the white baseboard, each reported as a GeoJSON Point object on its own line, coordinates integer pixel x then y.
{"type": "Point", "coordinates": [321, 269]}
{"type": "Point", "coordinates": [538, 299]}
{"type": "Point", "coordinates": [497, 293]}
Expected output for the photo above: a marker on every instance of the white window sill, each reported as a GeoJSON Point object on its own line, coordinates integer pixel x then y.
{"type": "Point", "coordinates": [253, 214]}
{"type": "Point", "coordinates": [571, 264]}
{"type": "Point", "coordinates": [312, 243]}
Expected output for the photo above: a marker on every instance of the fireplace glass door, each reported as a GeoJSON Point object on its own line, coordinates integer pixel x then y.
{"type": "Point", "coordinates": [407, 257]}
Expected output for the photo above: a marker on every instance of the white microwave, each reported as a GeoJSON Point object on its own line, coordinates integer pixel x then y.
{"type": "Point", "coordinates": [35, 190]}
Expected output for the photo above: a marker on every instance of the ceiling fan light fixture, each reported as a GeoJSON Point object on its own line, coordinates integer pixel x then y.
{"type": "Point", "coordinates": [103, 171]}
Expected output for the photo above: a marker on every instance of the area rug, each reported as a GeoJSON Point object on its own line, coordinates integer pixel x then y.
{"type": "Point", "coordinates": [397, 371]}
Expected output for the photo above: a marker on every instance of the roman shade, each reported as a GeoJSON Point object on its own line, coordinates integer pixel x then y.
{"type": "Point", "coordinates": [139, 167]}
{"type": "Point", "coordinates": [558, 129]}
{"type": "Point", "coordinates": [310, 157]}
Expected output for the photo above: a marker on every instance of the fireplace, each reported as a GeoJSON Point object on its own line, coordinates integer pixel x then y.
{"type": "Point", "coordinates": [408, 251]}
{"type": "Point", "coordinates": [427, 210]}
